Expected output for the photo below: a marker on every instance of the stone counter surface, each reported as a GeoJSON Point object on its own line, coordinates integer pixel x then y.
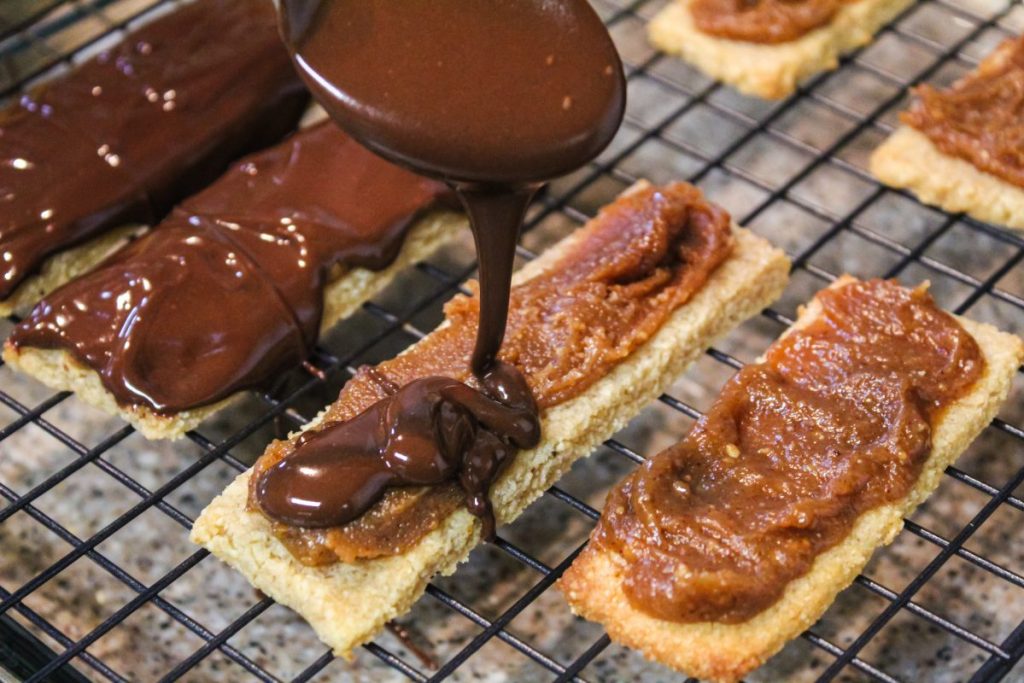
{"type": "Point", "coordinates": [151, 641]}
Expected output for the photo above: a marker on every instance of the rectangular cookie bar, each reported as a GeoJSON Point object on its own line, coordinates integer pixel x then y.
{"type": "Point", "coordinates": [118, 139]}
{"type": "Point", "coordinates": [347, 604]}
{"type": "Point", "coordinates": [722, 651]}
{"type": "Point", "coordinates": [58, 369]}
{"type": "Point", "coordinates": [771, 71]}
{"type": "Point", "coordinates": [959, 148]}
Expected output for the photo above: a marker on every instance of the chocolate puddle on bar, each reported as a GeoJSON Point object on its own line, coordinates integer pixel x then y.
{"type": "Point", "coordinates": [495, 97]}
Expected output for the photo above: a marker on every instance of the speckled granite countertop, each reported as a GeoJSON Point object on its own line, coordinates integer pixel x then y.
{"type": "Point", "coordinates": [150, 642]}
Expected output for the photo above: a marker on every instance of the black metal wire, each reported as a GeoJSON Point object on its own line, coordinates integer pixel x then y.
{"type": "Point", "coordinates": [21, 647]}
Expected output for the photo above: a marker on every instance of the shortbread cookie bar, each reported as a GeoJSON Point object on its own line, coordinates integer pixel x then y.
{"type": "Point", "coordinates": [725, 618]}
{"type": "Point", "coordinates": [348, 582]}
{"type": "Point", "coordinates": [771, 70]}
{"type": "Point", "coordinates": [121, 137]}
{"type": "Point", "coordinates": [959, 149]}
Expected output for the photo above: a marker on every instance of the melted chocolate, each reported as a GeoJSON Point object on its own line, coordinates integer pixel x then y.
{"type": "Point", "coordinates": [134, 129]}
{"type": "Point", "coordinates": [494, 97]}
{"type": "Point", "coordinates": [227, 292]}
{"type": "Point", "coordinates": [610, 289]}
{"type": "Point", "coordinates": [488, 91]}
{"type": "Point", "coordinates": [430, 431]}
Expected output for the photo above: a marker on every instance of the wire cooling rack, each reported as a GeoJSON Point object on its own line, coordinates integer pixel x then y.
{"type": "Point", "coordinates": [91, 511]}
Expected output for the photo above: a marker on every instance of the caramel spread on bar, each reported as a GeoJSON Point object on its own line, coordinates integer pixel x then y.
{"type": "Point", "coordinates": [126, 134]}
{"type": "Point", "coordinates": [227, 293]}
{"type": "Point", "coordinates": [763, 21]}
{"type": "Point", "coordinates": [980, 119]}
{"type": "Point", "coordinates": [836, 421]}
{"type": "Point", "coordinates": [627, 271]}
{"type": "Point", "coordinates": [494, 100]}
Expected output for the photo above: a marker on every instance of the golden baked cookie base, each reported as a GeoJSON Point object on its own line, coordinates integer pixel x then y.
{"type": "Point", "coordinates": [771, 71]}
{"type": "Point", "coordinates": [60, 370]}
{"type": "Point", "coordinates": [66, 266]}
{"type": "Point", "coordinates": [348, 604]}
{"type": "Point", "coordinates": [727, 652]}
{"type": "Point", "coordinates": [909, 160]}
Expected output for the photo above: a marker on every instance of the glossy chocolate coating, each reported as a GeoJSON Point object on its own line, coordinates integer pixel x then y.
{"type": "Point", "coordinates": [430, 431]}
{"type": "Point", "coordinates": [126, 134]}
{"type": "Point", "coordinates": [494, 97]}
{"type": "Point", "coordinates": [227, 293]}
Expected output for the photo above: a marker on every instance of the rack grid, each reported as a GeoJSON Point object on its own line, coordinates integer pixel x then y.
{"type": "Point", "coordinates": [767, 158]}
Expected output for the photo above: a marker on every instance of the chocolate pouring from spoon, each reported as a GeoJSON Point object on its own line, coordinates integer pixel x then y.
{"type": "Point", "coordinates": [495, 97]}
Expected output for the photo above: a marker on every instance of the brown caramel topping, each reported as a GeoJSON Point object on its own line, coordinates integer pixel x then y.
{"type": "Point", "coordinates": [836, 421]}
{"type": "Point", "coordinates": [981, 117]}
{"type": "Point", "coordinates": [609, 292]}
{"type": "Point", "coordinates": [762, 21]}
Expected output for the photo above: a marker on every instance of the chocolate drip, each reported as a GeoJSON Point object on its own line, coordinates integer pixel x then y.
{"type": "Point", "coordinates": [227, 293]}
{"type": "Point", "coordinates": [432, 430]}
{"type": "Point", "coordinates": [494, 97]}
{"type": "Point", "coordinates": [502, 211]}
{"type": "Point", "coordinates": [134, 129]}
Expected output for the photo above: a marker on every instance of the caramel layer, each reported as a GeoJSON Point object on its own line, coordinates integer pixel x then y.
{"type": "Point", "coordinates": [763, 21]}
{"type": "Point", "coordinates": [980, 119]}
{"type": "Point", "coordinates": [627, 271]}
{"type": "Point", "coordinates": [836, 421]}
